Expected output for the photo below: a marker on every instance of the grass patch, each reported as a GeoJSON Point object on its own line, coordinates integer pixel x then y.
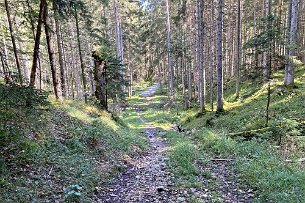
{"type": "Point", "coordinates": [260, 163]}
{"type": "Point", "coordinates": [59, 152]}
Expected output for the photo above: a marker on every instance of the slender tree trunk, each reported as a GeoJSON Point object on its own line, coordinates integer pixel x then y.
{"type": "Point", "coordinates": [289, 72]}
{"type": "Point", "coordinates": [219, 59]}
{"type": "Point", "coordinates": [189, 66]}
{"type": "Point", "coordinates": [118, 33]}
{"type": "Point", "coordinates": [59, 47]}
{"type": "Point", "coordinates": [238, 49]}
{"type": "Point", "coordinates": [169, 56]}
{"type": "Point", "coordinates": [13, 41]}
{"type": "Point", "coordinates": [266, 54]}
{"type": "Point", "coordinates": [82, 65]}
{"type": "Point", "coordinates": [50, 43]}
{"type": "Point", "coordinates": [200, 18]}
{"type": "Point", "coordinates": [37, 43]}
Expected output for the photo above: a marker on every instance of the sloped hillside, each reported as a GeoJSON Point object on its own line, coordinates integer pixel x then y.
{"type": "Point", "coordinates": [55, 152]}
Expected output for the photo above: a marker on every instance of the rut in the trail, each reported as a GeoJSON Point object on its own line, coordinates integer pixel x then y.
{"type": "Point", "coordinates": [147, 178]}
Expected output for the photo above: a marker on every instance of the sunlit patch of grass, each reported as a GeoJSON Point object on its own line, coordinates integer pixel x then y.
{"type": "Point", "coordinates": [81, 145]}
{"type": "Point", "coordinates": [182, 156]}
{"type": "Point", "coordinates": [258, 162]}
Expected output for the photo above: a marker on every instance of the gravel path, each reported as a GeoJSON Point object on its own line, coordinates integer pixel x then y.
{"type": "Point", "coordinates": [147, 178]}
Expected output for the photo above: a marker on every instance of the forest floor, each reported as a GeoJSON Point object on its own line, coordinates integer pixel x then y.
{"type": "Point", "coordinates": [76, 152]}
{"type": "Point", "coordinates": [150, 177]}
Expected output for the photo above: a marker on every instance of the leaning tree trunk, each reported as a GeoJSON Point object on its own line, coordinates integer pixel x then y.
{"type": "Point", "coordinates": [13, 41]}
{"type": "Point", "coordinates": [219, 59]}
{"type": "Point", "coordinates": [289, 73]}
{"type": "Point", "coordinates": [50, 43]}
{"type": "Point", "coordinates": [37, 43]}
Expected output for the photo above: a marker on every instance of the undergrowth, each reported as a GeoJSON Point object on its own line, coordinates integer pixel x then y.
{"type": "Point", "coordinates": [260, 162]}
{"type": "Point", "coordinates": [58, 152]}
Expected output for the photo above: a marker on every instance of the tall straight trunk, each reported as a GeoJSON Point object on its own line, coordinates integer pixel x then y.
{"type": "Point", "coordinates": [188, 65]}
{"type": "Point", "coordinates": [169, 56]}
{"type": "Point", "coordinates": [59, 47]}
{"type": "Point", "coordinates": [13, 41]}
{"type": "Point", "coordinates": [118, 33]}
{"type": "Point", "coordinates": [73, 62]}
{"type": "Point", "coordinates": [213, 45]}
{"type": "Point", "coordinates": [202, 93]}
{"type": "Point", "coordinates": [266, 54]}
{"type": "Point", "coordinates": [37, 42]}
{"type": "Point", "coordinates": [50, 43]}
{"type": "Point", "coordinates": [5, 66]}
{"type": "Point", "coordinates": [82, 65]}
{"type": "Point", "coordinates": [219, 59]}
{"type": "Point", "coordinates": [289, 72]}
{"type": "Point", "coordinates": [238, 53]}
{"type": "Point", "coordinates": [23, 57]}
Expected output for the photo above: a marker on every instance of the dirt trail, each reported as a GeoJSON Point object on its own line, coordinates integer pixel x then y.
{"type": "Point", "coordinates": [147, 178]}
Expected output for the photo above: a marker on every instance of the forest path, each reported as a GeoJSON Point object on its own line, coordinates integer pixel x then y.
{"type": "Point", "coordinates": [147, 178]}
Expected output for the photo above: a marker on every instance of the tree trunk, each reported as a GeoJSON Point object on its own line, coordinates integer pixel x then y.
{"type": "Point", "coordinates": [289, 72]}
{"type": "Point", "coordinates": [266, 54]}
{"type": "Point", "coordinates": [13, 41]}
{"type": "Point", "coordinates": [169, 56]}
{"type": "Point", "coordinates": [37, 43]}
{"type": "Point", "coordinates": [219, 59]}
{"type": "Point", "coordinates": [50, 43]}
{"type": "Point", "coordinates": [238, 53]}
{"type": "Point", "coordinates": [100, 79]}
{"type": "Point", "coordinates": [60, 54]}
{"type": "Point", "coordinates": [200, 19]}
{"type": "Point", "coordinates": [82, 65]}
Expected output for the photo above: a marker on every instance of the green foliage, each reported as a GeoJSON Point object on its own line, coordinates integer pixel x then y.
{"type": "Point", "coordinates": [264, 39]}
{"type": "Point", "coordinates": [20, 108]}
{"type": "Point", "coordinates": [79, 147]}
{"type": "Point", "coordinates": [281, 126]}
{"type": "Point", "coordinates": [266, 172]}
{"type": "Point", "coordinates": [116, 81]}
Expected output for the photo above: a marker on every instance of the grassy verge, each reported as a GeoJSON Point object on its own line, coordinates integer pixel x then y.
{"type": "Point", "coordinates": [60, 152]}
{"type": "Point", "coordinates": [260, 162]}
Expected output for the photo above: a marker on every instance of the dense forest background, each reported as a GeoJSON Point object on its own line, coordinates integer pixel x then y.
{"type": "Point", "coordinates": [64, 45]}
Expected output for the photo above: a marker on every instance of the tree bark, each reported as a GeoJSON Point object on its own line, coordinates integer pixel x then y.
{"type": "Point", "coordinates": [169, 56]}
{"type": "Point", "coordinates": [60, 48]}
{"type": "Point", "coordinates": [82, 65]}
{"type": "Point", "coordinates": [238, 53]}
{"type": "Point", "coordinates": [37, 42]}
{"type": "Point", "coordinates": [219, 59]}
{"type": "Point", "coordinates": [289, 72]}
{"type": "Point", "coordinates": [200, 18]}
{"type": "Point", "coordinates": [50, 43]}
{"type": "Point", "coordinates": [13, 41]}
